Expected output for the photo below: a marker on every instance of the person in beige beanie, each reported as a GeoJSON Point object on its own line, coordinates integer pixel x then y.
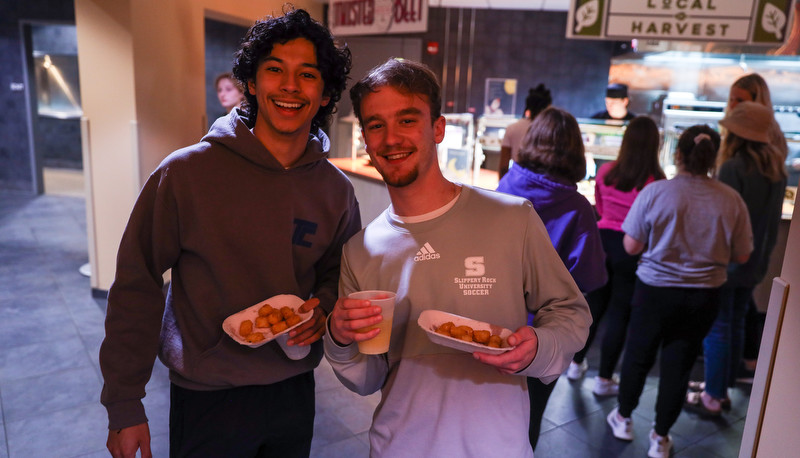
{"type": "Point", "coordinates": [753, 166]}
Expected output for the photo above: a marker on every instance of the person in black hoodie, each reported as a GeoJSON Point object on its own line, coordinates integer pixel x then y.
{"type": "Point", "coordinates": [253, 210]}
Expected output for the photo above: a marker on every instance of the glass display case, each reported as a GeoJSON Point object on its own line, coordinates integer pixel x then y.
{"type": "Point", "coordinates": [490, 133]}
{"type": "Point", "coordinates": [457, 154]}
{"type": "Point", "coordinates": [602, 139]}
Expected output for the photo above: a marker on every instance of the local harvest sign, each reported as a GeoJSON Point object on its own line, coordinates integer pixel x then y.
{"type": "Point", "coordinates": [377, 17]}
{"type": "Point", "coordinates": [742, 21]}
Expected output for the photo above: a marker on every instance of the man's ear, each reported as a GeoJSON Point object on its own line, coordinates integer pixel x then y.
{"type": "Point", "coordinates": [439, 129]}
{"type": "Point", "coordinates": [251, 87]}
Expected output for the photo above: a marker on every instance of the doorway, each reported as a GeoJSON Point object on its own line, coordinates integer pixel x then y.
{"type": "Point", "coordinates": [51, 55]}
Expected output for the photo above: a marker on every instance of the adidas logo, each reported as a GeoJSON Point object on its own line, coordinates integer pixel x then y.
{"type": "Point", "coordinates": [426, 253]}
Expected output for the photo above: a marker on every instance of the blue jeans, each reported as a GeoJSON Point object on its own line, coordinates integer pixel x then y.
{"type": "Point", "coordinates": [723, 345]}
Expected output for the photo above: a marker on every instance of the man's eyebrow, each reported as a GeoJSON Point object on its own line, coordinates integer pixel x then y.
{"type": "Point", "coordinates": [277, 59]}
{"type": "Point", "coordinates": [410, 111]}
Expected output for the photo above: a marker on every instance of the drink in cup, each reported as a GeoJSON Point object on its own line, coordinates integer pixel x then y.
{"type": "Point", "coordinates": [380, 343]}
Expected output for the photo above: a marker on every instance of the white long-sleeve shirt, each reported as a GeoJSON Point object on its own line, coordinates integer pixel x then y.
{"type": "Point", "coordinates": [488, 258]}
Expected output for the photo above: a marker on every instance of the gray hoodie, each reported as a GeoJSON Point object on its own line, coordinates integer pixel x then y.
{"type": "Point", "coordinates": [236, 228]}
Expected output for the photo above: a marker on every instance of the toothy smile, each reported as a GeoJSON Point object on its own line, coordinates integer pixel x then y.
{"type": "Point", "coordinates": [394, 157]}
{"type": "Point", "coordinates": [288, 105]}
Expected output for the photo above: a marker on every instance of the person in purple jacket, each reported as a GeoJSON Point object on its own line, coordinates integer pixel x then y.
{"type": "Point", "coordinates": [550, 163]}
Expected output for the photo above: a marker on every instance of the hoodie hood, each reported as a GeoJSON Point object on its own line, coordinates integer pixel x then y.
{"type": "Point", "coordinates": [233, 131]}
{"type": "Point", "coordinates": [541, 190]}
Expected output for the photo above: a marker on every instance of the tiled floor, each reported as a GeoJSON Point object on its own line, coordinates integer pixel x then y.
{"type": "Point", "coordinates": [50, 334]}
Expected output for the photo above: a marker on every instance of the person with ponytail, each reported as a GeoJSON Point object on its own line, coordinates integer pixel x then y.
{"type": "Point", "coordinates": [753, 166]}
{"type": "Point", "coordinates": [687, 229]}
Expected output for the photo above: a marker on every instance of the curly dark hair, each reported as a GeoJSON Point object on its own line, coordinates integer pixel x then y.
{"type": "Point", "coordinates": [554, 146]}
{"type": "Point", "coordinates": [334, 61]}
{"type": "Point", "coordinates": [404, 75]}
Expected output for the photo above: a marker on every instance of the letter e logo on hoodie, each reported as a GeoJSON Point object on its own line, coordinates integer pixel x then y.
{"type": "Point", "coordinates": [301, 229]}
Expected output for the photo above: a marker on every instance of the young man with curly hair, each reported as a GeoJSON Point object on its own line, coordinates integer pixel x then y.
{"type": "Point", "coordinates": [252, 211]}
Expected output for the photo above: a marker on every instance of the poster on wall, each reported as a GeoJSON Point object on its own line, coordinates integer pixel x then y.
{"type": "Point", "coordinates": [500, 97]}
{"type": "Point", "coordinates": [755, 22]}
{"type": "Point", "coordinates": [377, 17]}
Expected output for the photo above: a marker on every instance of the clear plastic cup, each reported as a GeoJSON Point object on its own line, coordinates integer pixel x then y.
{"type": "Point", "coordinates": [385, 300]}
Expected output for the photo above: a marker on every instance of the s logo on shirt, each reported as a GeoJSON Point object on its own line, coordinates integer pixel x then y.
{"type": "Point", "coordinates": [474, 266]}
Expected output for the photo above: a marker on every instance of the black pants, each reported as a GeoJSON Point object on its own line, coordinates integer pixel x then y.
{"type": "Point", "coordinates": [676, 320]}
{"type": "Point", "coordinates": [538, 393]}
{"type": "Point", "coordinates": [753, 327]}
{"type": "Point", "coordinates": [251, 421]}
{"type": "Point", "coordinates": [612, 303]}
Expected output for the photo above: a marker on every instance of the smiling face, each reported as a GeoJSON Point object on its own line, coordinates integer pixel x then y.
{"type": "Point", "coordinates": [400, 136]}
{"type": "Point", "coordinates": [289, 89]}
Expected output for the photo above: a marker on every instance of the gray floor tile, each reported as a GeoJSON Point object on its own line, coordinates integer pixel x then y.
{"type": "Point", "coordinates": [42, 358]}
{"type": "Point", "coordinates": [350, 448]}
{"type": "Point", "coordinates": [3, 443]}
{"type": "Point", "coordinates": [71, 432]}
{"type": "Point", "coordinates": [23, 398]}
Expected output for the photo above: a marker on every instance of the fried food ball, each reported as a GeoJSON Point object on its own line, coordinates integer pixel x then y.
{"type": "Point", "coordinates": [262, 322]}
{"type": "Point", "coordinates": [466, 330]}
{"type": "Point", "coordinates": [275, 317]}
{"type": "Point", "coordinates": [293, 320]}
{"type": "Point", "coordinates": [466, 338]}
{"type": "Point", "coordinates": [245, 328]}
{"type": "Point", "coordinates": [495, 341]}
{"type": "Point", "coordinates": [457, 332]}
{"type": "Point", "coordinates": [254, 337]}
{"type": "Point", "coordinates": [444, 328]}
{"type": "Point", "coordinates": [279, 327]}
{"type": "Point", "coordinates": [286, 312]}
{"type": "Point", "coordinates": [481, 336]}
{"type": "Point", "coordinates": [265, 310]}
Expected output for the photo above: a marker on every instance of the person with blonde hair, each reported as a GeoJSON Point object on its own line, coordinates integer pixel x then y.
{"type": "Point", "coordinates": [753, 88]}
{"type": "Point", "coordinates": [752, 166]}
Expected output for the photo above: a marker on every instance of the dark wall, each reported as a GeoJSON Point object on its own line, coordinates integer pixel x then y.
{"type": "Point", "coordinates": [16, 172]}
{"type": "Point", "coordinates": [222, 41]}
{"type": "Point", "coordinates": [529, 46]}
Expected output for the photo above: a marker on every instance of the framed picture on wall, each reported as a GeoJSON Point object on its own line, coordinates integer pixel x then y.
{"type": "Point", "coordinates": [500, 98]}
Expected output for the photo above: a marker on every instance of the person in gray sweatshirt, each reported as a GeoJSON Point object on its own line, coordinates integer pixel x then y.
{"type": "Point", "coordinates": [253, 210]}
{"type": "Point", "coordinates": [453, 248]}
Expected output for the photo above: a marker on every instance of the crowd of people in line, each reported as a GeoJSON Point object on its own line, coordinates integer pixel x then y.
{"type": "Point", "coordinates": [255, 210]}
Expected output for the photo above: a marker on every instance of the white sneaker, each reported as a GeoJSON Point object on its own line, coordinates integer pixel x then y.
{"type": "Point", "coordinates": [576, 371]}
{"type": "Point", "coordinates": [621, 427]}
{"type": "Point", "coordinates": [605, 387]}
{"type": "Point", "coordinates": [660, 446]}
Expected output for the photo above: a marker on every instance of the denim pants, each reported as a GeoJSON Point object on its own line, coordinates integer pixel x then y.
{"type": "Point", "coordinates": [723, 345]}
{"type": "Point", "coordinates": [674, 320]}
